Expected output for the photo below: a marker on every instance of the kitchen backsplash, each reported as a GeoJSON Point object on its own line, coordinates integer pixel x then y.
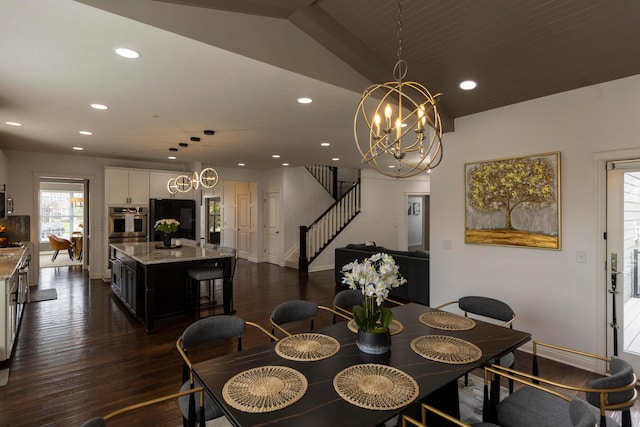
{"type": "Point", "coordinates": [18, 227]}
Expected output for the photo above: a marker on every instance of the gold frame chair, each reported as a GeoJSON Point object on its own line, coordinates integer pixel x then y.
{"type": "Point", "coordinates": [200, 390]}
{"type": "Point", "coordinates": [188, 365]}
{"type": "Point", "coordinates": [534, 380]}
{"type": "Point", "coordinates": [407, 420]}
{"type": "Point", "coordinates": [275, 325]}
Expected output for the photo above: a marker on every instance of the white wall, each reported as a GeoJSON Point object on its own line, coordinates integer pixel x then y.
{"type": "Point", "coordinates": [24, 166]}
{"type": "Point", "coordinates": [556, 299]}
{"type": "Point", "coordinates": [304, 199]}
{"type": "Point", "coordinates": [383, 217]}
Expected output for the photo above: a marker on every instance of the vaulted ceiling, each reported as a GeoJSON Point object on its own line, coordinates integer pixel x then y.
{"type": "Point", "coordinates": [238, 66]}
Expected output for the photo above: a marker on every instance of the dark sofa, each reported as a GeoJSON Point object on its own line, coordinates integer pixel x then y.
{"type": "Point", "coordinates": [413, 265]}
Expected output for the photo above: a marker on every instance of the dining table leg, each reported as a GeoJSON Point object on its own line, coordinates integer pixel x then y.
{"type": "Point", "coordinates": [446, 399]}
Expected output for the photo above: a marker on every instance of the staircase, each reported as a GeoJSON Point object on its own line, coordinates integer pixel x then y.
{"type": "Point", "coordinates": [317, 236]}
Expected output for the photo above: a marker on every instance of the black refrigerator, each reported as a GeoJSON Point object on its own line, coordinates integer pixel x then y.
{"type": "Point", "coordinates": [183, 211]}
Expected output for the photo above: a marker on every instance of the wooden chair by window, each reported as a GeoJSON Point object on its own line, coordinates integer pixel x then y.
{"type": "Point", "coordinates": [102, 421]}
{"type": "Point", "coordinates": [60, 244]}
{"type": "Point", "coordinates": [546, 402]}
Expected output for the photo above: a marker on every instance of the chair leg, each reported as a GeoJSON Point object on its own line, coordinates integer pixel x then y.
{"type": "Point", "coordinates": [626, 418]}
{"type": "Point", "coordinates": [55, 255]}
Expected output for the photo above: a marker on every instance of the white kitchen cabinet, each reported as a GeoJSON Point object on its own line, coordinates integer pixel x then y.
{"type": "Point", "coordinates": [158, 186]}
{"type": "Point", "coordinates": [126, 186]}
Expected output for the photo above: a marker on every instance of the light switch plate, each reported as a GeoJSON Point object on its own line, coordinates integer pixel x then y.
{"type": "Point", "coordinates": [581, 257]}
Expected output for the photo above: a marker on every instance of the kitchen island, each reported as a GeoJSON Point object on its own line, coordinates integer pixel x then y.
{"type": "Point", "coordinates": [151, 280]}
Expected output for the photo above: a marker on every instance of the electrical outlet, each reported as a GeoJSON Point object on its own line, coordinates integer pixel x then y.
{"type": "Point", "coordinates": [447, 244]}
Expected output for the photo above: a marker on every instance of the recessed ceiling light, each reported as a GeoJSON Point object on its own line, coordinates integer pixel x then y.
{"type": "Point", "coordinates": [14, 123]}
{"type": "Point", "coordinates": [305, 100]}
{"type": "Point", "coordinates": [85, 132]}
{"type": "Point", "coordinates": [325, 144]}
{"type": "Point", "coordinates": [171, 157]}
{"type": "Point", "coordinates": [78, 148]}
{"type": "Point", "coordinates": [391, 166]}
{"type": "Point", "coordinates": [209, 132]}
{"type": "Point", "coordinates": [275, 156]}
{"type": "Point", "coordinates": [468, 85]}
{"type": "Point", "coordinates": [126, 53]}
{"type": "Point", "coordinates": [173, 149]}
{"type": "Point", "coordinates": [241, 164]}
{"type": "Point", "coordinates": [183, 144]}
{"type": "Point", "coordinates": [195, 138]}
{"type": "Point", "coordinates": [99, 106]}
{"type": "Point", "coordinates": [285, 164]}
{"type": "Point", "coordinates": [335, 159]}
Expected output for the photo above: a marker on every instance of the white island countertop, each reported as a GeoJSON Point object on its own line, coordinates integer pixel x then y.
{"type": "Point", "coordinates": [147, 253]}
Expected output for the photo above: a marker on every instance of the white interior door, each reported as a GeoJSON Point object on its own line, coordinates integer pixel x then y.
{"type": "Point", "coordinates": [623, 247]}
{"type": "Point", "coordinates": [243, 226]}
{"type": "Point", "coordinates": [272, 226]}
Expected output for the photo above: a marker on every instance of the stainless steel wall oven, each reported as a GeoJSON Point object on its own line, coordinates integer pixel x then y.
{"type": "Point", "coordinates": [128, 223]}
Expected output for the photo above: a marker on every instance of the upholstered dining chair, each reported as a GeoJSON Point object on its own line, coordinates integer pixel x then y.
{"type": "Point", "coordinates": [410, 421]}
{"type": "Point", "coordinates": [60, 244]}
{"type": "Point", "coordinates": [545, 402]}
{"type": "Point", "coordinates": [207, 331]}
{"type": "Point", "coordinates": [208, 273]}
{"type": "Point", "coordinates": [102, 421]}
{"type": "Point", "coordinates": [344, 301]}
{"type": "Point", "coordinates": [488, 308]}
{"type": "Point", "coordinates": [295, 310]}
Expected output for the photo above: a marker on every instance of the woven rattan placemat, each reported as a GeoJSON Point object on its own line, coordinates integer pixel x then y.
{"type": "Point", "coordinates": [446, 349]}
{"type": "Point", "coordinates": [447, 321]}
{"type": "Point", "coordinates": [374, 386]}
{"type": "Point", "coordinates": [264, 389]}
{"type": "Point", "coordinates": [394, 328]}
{"type": "Point", "coordinates": [307, 347]}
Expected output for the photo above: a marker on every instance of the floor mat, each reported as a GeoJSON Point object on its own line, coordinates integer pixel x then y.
{"type": "Point", "coordinates": [43, 294]}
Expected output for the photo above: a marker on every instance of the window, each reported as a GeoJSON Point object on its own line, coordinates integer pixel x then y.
{"type": "Point", "coordinates": [61, 213]}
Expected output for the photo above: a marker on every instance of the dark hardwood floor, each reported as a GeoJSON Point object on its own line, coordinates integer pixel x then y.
{"type": "Point", "coordinates": [83, 355]}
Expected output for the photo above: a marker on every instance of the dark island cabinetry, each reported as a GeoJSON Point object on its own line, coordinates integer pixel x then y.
{"type": "Point", "coordinates": [124, 282]}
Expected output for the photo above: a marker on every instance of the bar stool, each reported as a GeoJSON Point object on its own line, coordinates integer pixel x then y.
{"type": "Point", "coordinates": [209, 273]}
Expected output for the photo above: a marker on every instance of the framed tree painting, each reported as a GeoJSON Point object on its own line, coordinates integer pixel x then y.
{"type": "Point", "coordinates": [514, 202]}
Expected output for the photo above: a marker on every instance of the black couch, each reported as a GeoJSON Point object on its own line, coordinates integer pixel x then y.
{"type": "Point", "coordinates": [413, 265]}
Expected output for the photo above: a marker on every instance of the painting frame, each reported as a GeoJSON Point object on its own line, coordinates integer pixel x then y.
{"type": "Point", "coordinates": [514, 201]}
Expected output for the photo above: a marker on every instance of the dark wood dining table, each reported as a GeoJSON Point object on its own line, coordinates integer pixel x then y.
{"type": "Point", "coordinates": [322, 406]}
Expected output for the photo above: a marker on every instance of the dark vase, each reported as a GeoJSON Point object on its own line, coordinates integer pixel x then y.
{"type": "Point", "coordinates": [166, 238]}
{"type": "Point", "coordinates": [373, 342]}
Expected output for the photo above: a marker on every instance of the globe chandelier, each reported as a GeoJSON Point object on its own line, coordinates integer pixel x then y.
{"type": "Point", "coordinates": [207, 178]}
{"type": "Point", "coordinates": [399, 124]}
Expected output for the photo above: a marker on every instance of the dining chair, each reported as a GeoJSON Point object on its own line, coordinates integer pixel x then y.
{"type": "Point", "coordinates": [424, 408]}
{"type": "Point", "coordinates": [545, 402]}
{"type": "Point", "coordinates": [488, 308]}
{"type": "Point", "coordinates": [60, 244]}
{"type": "Point", "coordinates": [344, 301]}
{"type": "Point", "coordinates": [209, 273]}
{"type": "Point", "coordinates": [208, 330]}
{"type": "Point", "coordinates": [102, 421]}
{"type": "Point", "coordinates": [295, 310]}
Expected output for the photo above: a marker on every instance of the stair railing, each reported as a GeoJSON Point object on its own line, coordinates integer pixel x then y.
{"type": "Point", "coordinates": [317, 236]}
{"type": "Point", "coordinates": [327, 176]}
